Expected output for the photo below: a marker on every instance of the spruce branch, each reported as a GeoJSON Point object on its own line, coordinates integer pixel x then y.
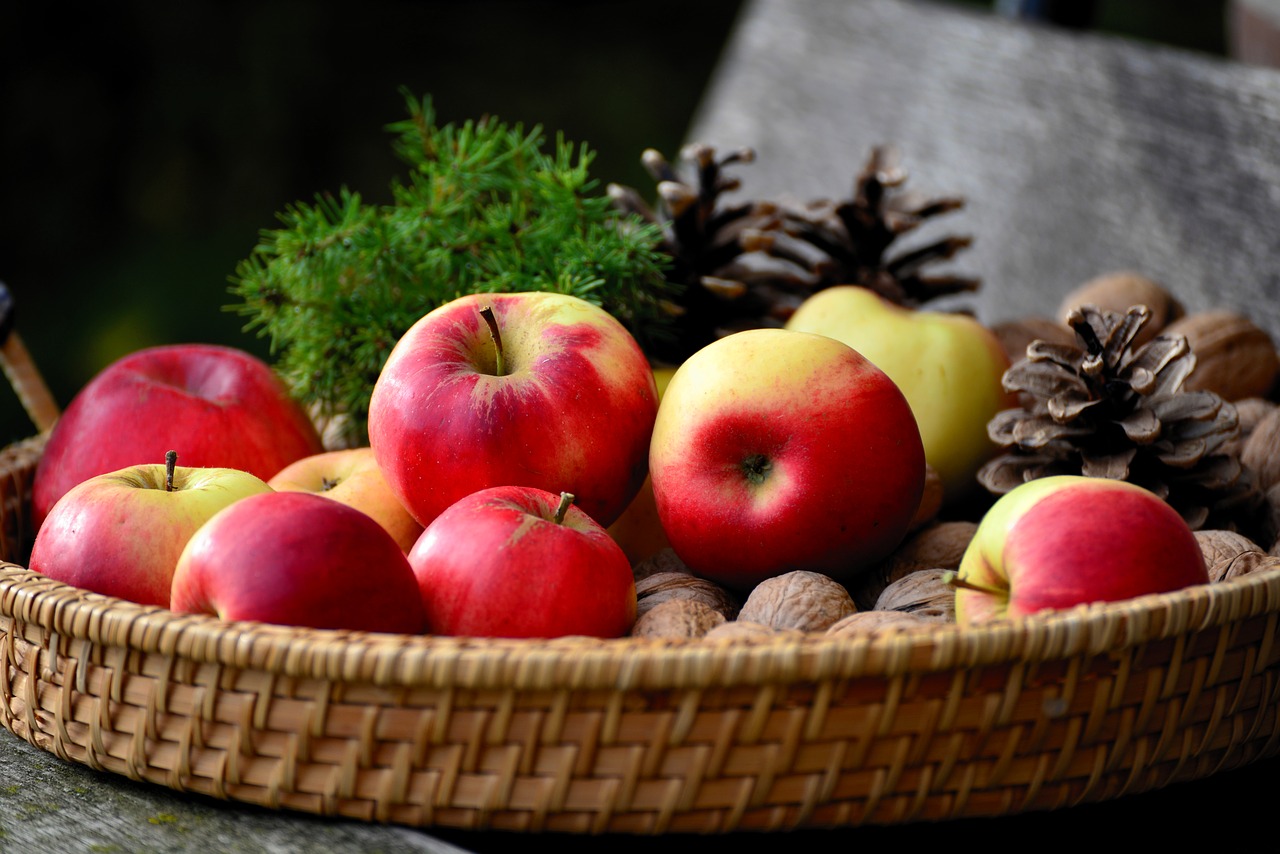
{"type": "Point", "coordinates": [483, 208]}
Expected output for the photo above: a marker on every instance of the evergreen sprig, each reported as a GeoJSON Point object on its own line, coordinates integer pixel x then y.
{"type": "Point", "coordinates": [483, 209]}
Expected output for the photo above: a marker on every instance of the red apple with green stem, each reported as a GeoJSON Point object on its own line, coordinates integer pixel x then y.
{"type": "Point", "coordinates": [298, 559]}
{"type": "Point", "coordinates": [515, 561]}
{"type": "Point", "coordinates": [776, 451]}
{"type": "Point", "coordinates": [121, 533]}
{"type": "Point", "coordinates": [529, 389]}
{"type": "Point", "coordinates": [1057, 542]}
{"type": "Point", "coordinates": [218, 406]}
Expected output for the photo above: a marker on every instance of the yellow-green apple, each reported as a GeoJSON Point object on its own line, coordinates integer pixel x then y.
{"type": "Point", "coordinates": [1062, 541]}
{"type": "Point", "coordinates": [353, 477]}
{"type": "Point", "coordinates": [777, 450]}
{"type": "Point", "coordinates": [529, 389]}
{"type": "Point", "coordinates": [639, 530]}
{"type": "Point", "coordinates": [217, 406]}
{"type": "Point", "coordinates": [949, 366]}
{"type": "Point", "coordinates": [121, 533]}
{"type": "Point", "coordinates": [298, 559]}
{"type": "Point", "coordinates": [517, 561]}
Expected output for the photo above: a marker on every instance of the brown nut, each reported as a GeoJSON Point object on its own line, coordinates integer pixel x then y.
{"type": "Point", "coordinates": [676, 619]}
{"type": "Point", "coordinates": [1260, 454]}
{"type": "Point", "coordinates": [930, 500]}
{"type": "Point", "coordinates": [1118, 292]}
{"type": "Point", "coordinates": [1249, 414]}
{"type": "Point", "coordinates": [1235, 358]}
{"type": "Point", "coordinates": [745, 631]}
{"type": "Point", "coordinates": [1244, 564]}
{"type": "Point", "coordinates": [1220, 548]}
{"type": "Point", "coordinates": [664, 561]}
{"type": "Point", "coordinates": [868, 622]}
{"type": "Point", "coordinates": [1015, 335]}
{"type": "Point", "coordinates": [806, 601]}
{"type": "Point", "coordinates": [938, 546]}
{"type": "Point", "coordinates": [662, 587]}
{"type": "Point", "coordinates": [924, 593]}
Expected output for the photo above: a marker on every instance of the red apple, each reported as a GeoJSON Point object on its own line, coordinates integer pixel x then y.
{"type": "Point", "coordinates": [122, 533]}
{"type": "Point", "coordinates": [353, 477]}
{"type": "Point", "coordinates": [549, 391]}
{"type": "Point", "coordinates": [776, 451]}
{"type": "Point", "coordinates": [1062, 541]}
{"type": "Point", "coordinates": [217, 406]}
{"type": "Point", "coordinates": [298, 559]}
{"type": "Point", "coordinates": [517, 561]}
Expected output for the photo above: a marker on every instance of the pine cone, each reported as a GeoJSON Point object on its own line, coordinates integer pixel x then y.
{"type": "Point", "coordinates": [1102, 408]}
{"type": "Point", "coordinates": [751, 264]}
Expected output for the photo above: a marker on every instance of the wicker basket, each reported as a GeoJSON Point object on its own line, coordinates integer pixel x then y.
{"type": "Point", "coordinates": [640, 736]}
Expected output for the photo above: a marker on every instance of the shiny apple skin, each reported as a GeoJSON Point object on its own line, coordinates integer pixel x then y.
{"type": "Point", "coordinates": [352, 476]}
{"type": "Point", "coordinates": [121, 533]}
{"type": "Point", "coordinates": [496, 564]}
{"type": "Point", "coordinates": [573, 412]}
{"type": "Point", "coordinates": [846, 463]}
{"type": "Point", "coordinates": [298, 559]}
{"type": "Point", "coordinates": [1058, 542]}
{"type": "Point", "coordinates": [216, 406]}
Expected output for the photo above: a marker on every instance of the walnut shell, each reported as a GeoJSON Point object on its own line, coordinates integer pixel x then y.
{"type": "Point", "coordinates": [745, 631]}
{"type": "Point", "coordinates": [677, 618]}
{"type": "Point", "coordinates": [1260, 454]}
{"type": "Point", "coordinates": [938, 546]}
{"type": "Point", "coordinates": [653, 590]}
{"type": "Point", "coordinates": [664, 561]}
{"type": "Point", "coordinates": [930, 500]}
{"type": "Point", "coordinates": [868, 622]}
{"type": "Point", "coordinates": [1243, 564]}
{"type": "Point", "coordinates": [1235, 358]}
{"type": "Point", "coordinates": [1015, 335]}
{"type": "Point", "coordinates": [807, 601]}
{"type": "Point", "coordinates": [1220, 548]}
{"type": "Point", "coordinates": [1249, 414]}
{"type": "Point", "coordinates": [924, 593]}
{"type": "Point", "coordinates": [1118, 292]}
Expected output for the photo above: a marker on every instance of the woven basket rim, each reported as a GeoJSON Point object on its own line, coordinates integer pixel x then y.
{"type": "Point", "coordinates": [428, 661]}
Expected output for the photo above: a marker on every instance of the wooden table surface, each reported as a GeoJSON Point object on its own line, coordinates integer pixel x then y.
{"type": "Point", "coordinates": [1078, 154]}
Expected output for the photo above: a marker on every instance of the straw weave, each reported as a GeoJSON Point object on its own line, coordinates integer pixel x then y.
{"type": "Point", "coordinates": [638, 735]}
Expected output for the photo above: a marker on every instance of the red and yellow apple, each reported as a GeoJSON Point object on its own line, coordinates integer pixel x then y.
{"type": "Point", "coordinates": [542, 390]}
{"type": "Point", "coordinates": [298, 559]}
{"type": "Point", "coordinates": [216, 406]}
{"type": "Point", "coordinates": [949, 367]}
{"type": "Point", "coordinates": [122, 533]}
{"type": "Point", "coordinates": [515, 561]}
{"type": "Point", "coordinates": [353, 477]}
{"type": "Point", "coordinates": [777, 450]}
{"type": "Point", "coordinates": [1057, 542]}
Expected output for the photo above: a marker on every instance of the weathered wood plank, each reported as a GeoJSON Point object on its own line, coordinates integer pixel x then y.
{"type": "Point", "coordinates": [1078, 154]}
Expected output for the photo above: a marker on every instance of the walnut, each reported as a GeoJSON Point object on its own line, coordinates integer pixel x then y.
{"type": "Point", "coordinates": [677, 618]}
{"type": "Point", "coordinates": [664, 561]}
{"type": "Point", "coordinates": [939, 546]}
{"type": "Point", "coordinates": [807, 601]}
{"type": "Point", "coordinates": [924, 593]}
{"type": "Point", "coordinates": [1015, 335]}
{"type": "Point", "coordinates": [745, 631]}
{"type": "Point", "coordinates": [1235, 358]}
{"type": "Point", "coordinates": [1249, 414]}
{"type": "Point", "coordinates": [867, 622]}
{"type": "Point", "coordinates": [1243, 564]}
{"type": "Point", "coordinates": [662, 587]}
{"type": "Point", "coordinates": [1261, 452]}
{"type": "Point", "coordinates": [930, 500]}
{"type": "Point", "coordinates": [1118, 292]}
{"type": "Point", "coordinates": [1221, 548]}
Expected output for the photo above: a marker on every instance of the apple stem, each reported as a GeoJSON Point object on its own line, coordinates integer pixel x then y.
{"type": "Point", "coordinates": [487, 313]}
{"type": "Point", "coordinates": [170, 463]}
{"type": "Point", "coordinates": [952, 579]}
{"type": "Point", "coordinates": [566, 498]}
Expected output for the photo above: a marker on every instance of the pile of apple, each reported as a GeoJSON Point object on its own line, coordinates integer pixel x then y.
{"type": "Point", "coordinates": [507, 431]}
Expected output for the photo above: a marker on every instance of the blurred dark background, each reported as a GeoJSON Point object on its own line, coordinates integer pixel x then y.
{"type": "Point", "coordinates": [146, 144]}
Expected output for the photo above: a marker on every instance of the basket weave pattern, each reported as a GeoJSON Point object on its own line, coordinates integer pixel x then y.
{"type": "Point", "coordinates": [635, 735]}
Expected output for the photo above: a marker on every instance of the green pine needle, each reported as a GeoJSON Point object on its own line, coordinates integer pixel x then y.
{"type": "Point", "coordinates": [483, 209]}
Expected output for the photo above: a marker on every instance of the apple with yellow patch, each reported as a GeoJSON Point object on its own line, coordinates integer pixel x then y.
{"type": "Point", "coordinates": [353, 477]}
{"type": "Point", "coordinates": [528, 389]}
{"type": "Point", "coordinates": [949, 366]}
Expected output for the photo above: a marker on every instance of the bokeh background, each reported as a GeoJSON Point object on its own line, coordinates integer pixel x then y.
{"type": "Point", "coordinates": [145, 145]}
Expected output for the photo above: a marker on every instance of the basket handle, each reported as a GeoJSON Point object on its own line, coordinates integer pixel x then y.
{"type": "Point", "coordinates": [21, 369]}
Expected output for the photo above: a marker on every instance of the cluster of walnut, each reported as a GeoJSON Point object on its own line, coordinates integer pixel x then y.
{"type": "Point", "coordinates": [1234, 358]}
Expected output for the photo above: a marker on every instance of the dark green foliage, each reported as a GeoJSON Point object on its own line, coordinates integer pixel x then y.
{"type": "Point", "coordinates": [483, 209]}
